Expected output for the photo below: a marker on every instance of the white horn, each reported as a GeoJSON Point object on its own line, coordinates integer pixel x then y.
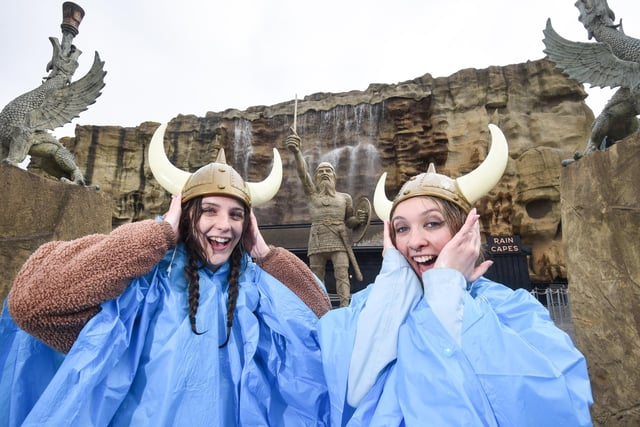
{"type": "Point", "coordinates": [482, 179]}
{"type": "Point", "coordinates": [168, 176]}
{"type": "Point", "coordinates": [381, 204]}
{"type": "Point", "coordinates": [263, 191]}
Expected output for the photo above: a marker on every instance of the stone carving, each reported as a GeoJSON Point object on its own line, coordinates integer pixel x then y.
{"type": "Point", "coordinates": [614, 61]}
{"type": "Point", "coordinates": [537, 211]}
{"type": "Point", "coordinates": [26, 121]}
{"type": "Point", "coordinates": [332, 213]}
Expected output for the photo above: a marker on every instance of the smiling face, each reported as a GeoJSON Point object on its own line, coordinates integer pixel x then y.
{"type": "Point", "coordinates": [220, 228]}
{"type": "Point", "coordinates": [420, 228]}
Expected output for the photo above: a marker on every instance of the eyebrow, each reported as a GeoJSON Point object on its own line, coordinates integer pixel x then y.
{"type": "Point", "coordinates": [210, 204]}
{"type": "Point", "coordinates": [423, 214]}
{"type": "Point", "coordinates": [217, 205]}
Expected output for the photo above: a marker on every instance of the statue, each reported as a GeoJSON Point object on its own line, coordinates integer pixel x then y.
{"type": "Point", "coordinates": [332, 213]}
{"type": "Point", "coordinates": [26, 121]}
{"type": "Point", "coordinates": [614, 61]}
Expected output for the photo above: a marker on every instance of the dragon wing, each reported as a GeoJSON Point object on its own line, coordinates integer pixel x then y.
{"type": "Point", "coordinates": [592, 63]}
{"type": "Point", "coordinates": [65, 104]}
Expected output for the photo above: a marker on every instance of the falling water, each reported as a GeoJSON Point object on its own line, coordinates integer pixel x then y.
{"type": "Point", "coordinates": [348, 136]}
{"type": "Point", "coordinates": [243, 147]}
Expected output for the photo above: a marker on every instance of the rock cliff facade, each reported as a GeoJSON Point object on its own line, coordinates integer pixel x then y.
{"type": "Point", "coordinates": [601, 213]}
{"type": "Point", "coordinates": [36, 210]}
{"type": "Point", "coordinates": [397, 128]}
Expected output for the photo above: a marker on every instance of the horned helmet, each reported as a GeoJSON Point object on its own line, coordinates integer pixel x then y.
{"type": "Point", "coordinates": [217, 178]}
{"type": "Point", "coordinates": [464, 191]}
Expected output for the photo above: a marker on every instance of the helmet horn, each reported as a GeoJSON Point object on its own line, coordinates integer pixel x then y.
{"type": "Point", "coordinates": [381, 204]}
{"type": "Point", "coordinates": [168, 176]}
{"type": "Point", "coordinates": [482, 179]}
{"type": "Point", "coordinates": [263, 191]}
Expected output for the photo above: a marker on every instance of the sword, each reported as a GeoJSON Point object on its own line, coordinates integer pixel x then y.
{"type": "Point", "coordinates": [295, 113]}
{"type": "Point", "coordinates": [352, 257]}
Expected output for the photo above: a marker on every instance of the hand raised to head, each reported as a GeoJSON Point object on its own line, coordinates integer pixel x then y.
{"type": "Point", "coordinates": [386, 237]}
{"type": "Point", "coordinates": [173, 214]}
{"type": "Point", "coordinates": [462, 251]}
{"type": "Point", "coordinates": [253, 240]}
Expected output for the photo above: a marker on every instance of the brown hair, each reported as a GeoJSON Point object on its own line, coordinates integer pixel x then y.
{"type": "Point", "coordinates": [191, 213]}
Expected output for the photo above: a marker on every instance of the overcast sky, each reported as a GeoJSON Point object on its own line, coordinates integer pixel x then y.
{"type": "Point", "coordinates": [165, 58]}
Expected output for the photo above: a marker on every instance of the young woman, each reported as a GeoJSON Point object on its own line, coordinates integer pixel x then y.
{"type": "Point", "coordinates": [432, 342]}
{"type": "Point", "coordinates": [159, 333]}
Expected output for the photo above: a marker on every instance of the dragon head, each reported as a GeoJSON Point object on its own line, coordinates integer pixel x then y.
{"type": "Point", "coordinates": [594, 13]}
{"type": "Point", "coordinates": [62, 63]}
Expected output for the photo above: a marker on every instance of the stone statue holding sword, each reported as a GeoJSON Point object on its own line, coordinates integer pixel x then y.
{"type": "Point", "coordinates": [333, 220]}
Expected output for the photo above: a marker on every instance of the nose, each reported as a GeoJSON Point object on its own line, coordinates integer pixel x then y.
{"type": "Point", "coordinates": [417, 240]}
{"type": "Point", "coordinates": [222, 222]}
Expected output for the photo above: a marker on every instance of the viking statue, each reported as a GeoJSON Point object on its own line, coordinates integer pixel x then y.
{"type": "Point", "coordinates": [614, 61]}
{"type": "Point", "coordinates": [26, 121]}
{"type": "Point", "coordinates": [333, 216]}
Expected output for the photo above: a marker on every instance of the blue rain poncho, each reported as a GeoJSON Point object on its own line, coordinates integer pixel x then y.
{"type": "Point", "coordinates": [137, 362]}
{"type": "Point", "coordinates": [451, 354]}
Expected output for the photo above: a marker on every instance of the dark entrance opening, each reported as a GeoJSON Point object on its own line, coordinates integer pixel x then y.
{"type": "Point", "coordinates": [510, 266]}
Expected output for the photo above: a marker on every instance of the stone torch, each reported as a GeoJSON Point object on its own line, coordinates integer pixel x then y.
{"type": "Point", "coordinates": [72, 15]}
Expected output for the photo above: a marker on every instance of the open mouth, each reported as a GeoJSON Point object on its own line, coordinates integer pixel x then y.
{"type": "Point", "coordinates": [218, 243]}
{"type": "Point", "coordinates": [425, 260]}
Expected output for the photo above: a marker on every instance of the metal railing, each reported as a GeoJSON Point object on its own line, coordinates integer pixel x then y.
{"type": "Point", "coordinates": [556, 298]}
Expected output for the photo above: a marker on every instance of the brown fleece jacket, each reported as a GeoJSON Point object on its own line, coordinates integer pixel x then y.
{"type": "Point", "coordinates": [290, 270]}
{"type": "Point", "coordinates": [61, 286]}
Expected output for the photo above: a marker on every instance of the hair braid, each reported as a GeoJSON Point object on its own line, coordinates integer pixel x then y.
{"type": "Point", "coordinates": [193, 278]}
{"type": "Point", "coordinates": [234, 274]}
{"type": "Point", "coordinates": [191, 211]}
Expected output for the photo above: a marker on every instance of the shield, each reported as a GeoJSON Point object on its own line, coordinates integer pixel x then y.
{"type": "Point", "coordinates": [363, 205]}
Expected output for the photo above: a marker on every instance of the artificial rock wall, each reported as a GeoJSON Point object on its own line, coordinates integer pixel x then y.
{"type": "Point", "coordinates": [398, 128]}
{"type": "Point", "coordinates": [601, 220]}
{"type": "Point", "coordinates": [36, 210]}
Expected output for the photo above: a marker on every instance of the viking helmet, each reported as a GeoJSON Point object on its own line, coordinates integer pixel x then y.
{"type": "Point", "coordinates": [463, 191]}
{"type": "Point", "coordinates": [217, 178]}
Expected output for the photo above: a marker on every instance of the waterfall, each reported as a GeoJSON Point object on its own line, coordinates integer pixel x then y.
{"type": "Point", "coordinates": [242, 147]}
{"type": "Point", "coordinates": [348, 137]}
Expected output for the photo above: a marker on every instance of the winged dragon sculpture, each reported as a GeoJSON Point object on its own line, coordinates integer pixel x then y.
{"type": "Point", "coordinates": [25, 122]}
{"type": "Point", "coordinates": [612, 61]}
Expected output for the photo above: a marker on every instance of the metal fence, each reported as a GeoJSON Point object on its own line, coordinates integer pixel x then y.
{"type": "Point", "coordinates": [556, 298]}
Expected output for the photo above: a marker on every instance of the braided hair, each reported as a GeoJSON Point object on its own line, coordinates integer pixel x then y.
{"type": "Point", "coordinates": [189, 234]}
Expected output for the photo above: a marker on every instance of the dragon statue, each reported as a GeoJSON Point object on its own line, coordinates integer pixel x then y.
{"type": "Point", "coordinates": [26, 121]}
{"type": "Point", "coordinates": [612, 61]}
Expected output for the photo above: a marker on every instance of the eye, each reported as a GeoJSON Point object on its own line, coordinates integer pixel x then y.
{"type": "Point", "coordinates": [401, 229]}
{"type": "Point", "coordinates": [208, 211]}
{"type": "Point", "coordinates": [433, 224]}
{"type": "Point", "coordinates": [237, 215]}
